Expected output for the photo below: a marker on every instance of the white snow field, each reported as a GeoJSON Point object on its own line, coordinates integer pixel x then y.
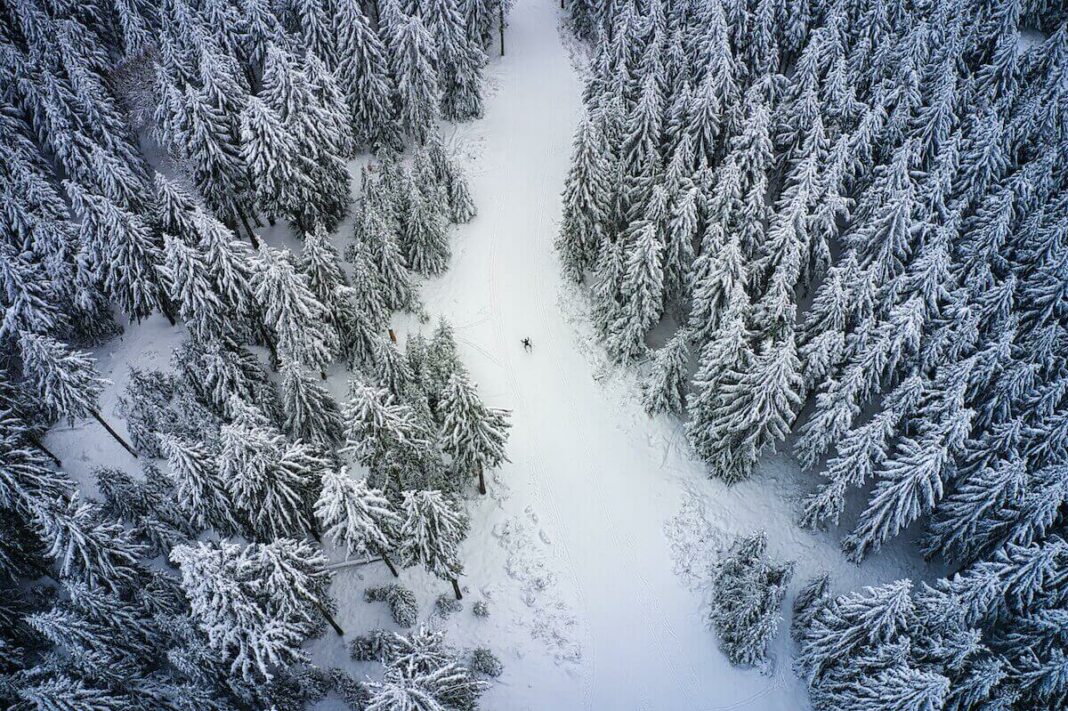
{"type": "Point", "coordinates": [592, 546]}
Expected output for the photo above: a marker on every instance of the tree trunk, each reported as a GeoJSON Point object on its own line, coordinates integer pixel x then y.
{"type": "Point", "coordinates": [387, 561]}
{"type": "Point", "coordinates": [393, 336]}
{"type": "Point", "coordinates": [334, 567]}
{"type": "Point", "coordinates": [330, 619]}
{"type": "Point", "coordinates": [561, 4]}
{"type": "Point", "coordinates": [322, 374]}
{"type": "Point", "coordinates": [113, 433]}
{"type": "Point", "coordinates": [313, 529]}
{"type": "Point", "coordinates": [266, 337]}
{"type": "Point", "coordinates": [166, 306]}
{"type": "Point", "coordinates": [37, 443]}
{"type": "Point", "coordinates": [251, 235]}
{"type": "Point", "coordinates": [481, 480]}
{"type": "Point", "coordinates": [500, 8]}
{"type": "Point", "coordinates": [456, 588]}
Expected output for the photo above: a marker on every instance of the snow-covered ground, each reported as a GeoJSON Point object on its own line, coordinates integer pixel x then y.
{"type": "Point", "coordinates": [591, 546]}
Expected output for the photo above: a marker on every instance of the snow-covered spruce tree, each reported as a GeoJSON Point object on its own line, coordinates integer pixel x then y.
{"type": "Point", "coordinates": [154, 402]}
{"type": "Point", "coordinates": [229, 263]}
{"type": "Point", "coordinates": [374, 230]}
{"type": "Point", "coordinates": [479, 16]}
{"type": "Point", "coordinates": [607, 275]}
{"type": "Point", "coordinates": [214, 135]}
{"type": "Point", "coordinates": [586, 200]}
{"type": "Point", "coordinates": [425, 238]}
{"type": "Point", "coordinates": [119, 251]}
{"type": "Point", "coordinates": [173, 207]}
{"type": "Point", "coordinates": [912, 474]}
{"type": "Point", "coordinates": [64, 381]}
{"type": "Point", "coordinates": [640, 147]}
{"type": "Point", "coordinates": [718, 277]}
{"type": "Point", "coordinates": [311, 414]}
{"type": "Point", "coordinates": [403, 605]}
{"type": "Point", "coordinates": [748, 588]}
{"type": "Point", "coordinates": [723, 354]}
{"type": "Point", "coordinates": [28, 477]}
{"type": "Point", "coordinates": [841, 628]}
{"type": "Point", "coordinates": [390, 439]}
{"type": "Point", "coordinates": [422, 671]}
{"type": "Point", "coordinates": [758, 401]}
{"type": "Point", "coordinates": [272, 482]}
{"type": "Point", "coordinates": [391, 368]}
{"type": "Point", "coordinates": [188, 281]}
{"type": "Point", "coordinates": [321, 266]}
{"type": "Point", "coordinates": [458, 61]}
{"type": "Point", "coordinates": [412, 64]}
{"type": "Point", "coordinates": [363, 76]}
{"type": "Point", "coordinates": [27, 300]}
{"type": "Point", "coordinates": [641, 289]}
{"type": "Point", "coordinates": [257, 604]}
{"type": "Point", "coordinates": [85, 545]}
{"type": "Point", "coordinates": [472, 433]}
{"type": "Point", "coordinates": [442, 361]}
{"type": "Point", "coordinates": [92, 625]}
{"type": "Point", "coordinates": [199, 490]}
{"type": "Point", "coordinates": [450, 176]}
{"type": "Point", "coordinates": [812, 598]}
{"type": "Point", "coordinates": [585, 17]}
{"type": "Point", "coordinates": [664, 387]}
{"type": "Point", "coordinates": [357, 516]}
{"type": "Point", "coordinates": [364, 313]}
{"type": "Point", "coordinates": [268, 150]}
{"type": "Point", "coordinates": [312, 123]}
{"type": "Point", "coordinates": [333, 109]}
{"type": "Point", "coordinates": [921, 648]}
{"type": "Point", "coordinates": [391, 16]}
{"type": "Point", "coordinates": [144, 505]}
{"type": "Point", "coordinates": [312, 19]}
{"type": "Point", "coordinates": [219, 370]}
{"type": "Point", "coordinates": [67, 691]}
{"type": "Point", "coordinates": [431, 531]}
{"type": "Point", "coordinates": [291, 311]}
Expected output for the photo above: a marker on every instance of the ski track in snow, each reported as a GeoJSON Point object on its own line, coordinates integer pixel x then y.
{"type": "Point", "coordinates": [592, 547]}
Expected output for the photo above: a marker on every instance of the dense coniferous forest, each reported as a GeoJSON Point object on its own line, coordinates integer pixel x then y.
{"type": "Point", "coordinates": [837, 229]}
{"type": "Point", "coordinates": [854, 212]}
{"type": "Point", "coordinates": [146, 147]}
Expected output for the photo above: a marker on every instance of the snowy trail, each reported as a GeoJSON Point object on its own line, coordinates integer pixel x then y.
{"type": "Point", "coordinates": [592, 480]}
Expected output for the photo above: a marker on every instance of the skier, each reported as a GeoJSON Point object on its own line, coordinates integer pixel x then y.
{"type": "Point", "coordinates": [527, 345]}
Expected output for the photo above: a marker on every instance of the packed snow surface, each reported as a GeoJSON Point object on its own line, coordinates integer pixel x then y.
{"type": "Point", "coordinates": [592, 547]}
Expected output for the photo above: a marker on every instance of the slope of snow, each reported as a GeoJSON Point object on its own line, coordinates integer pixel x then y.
{"type": "Point", "coordinates": [592, 546]}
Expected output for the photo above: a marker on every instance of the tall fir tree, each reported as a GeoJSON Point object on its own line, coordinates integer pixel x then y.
{"type": "Point", "coordinates": [458, 61]}
{"type": "Point", "coordinates": [358, 516]}
{"type": "Point", "coordinates": [431, 531]}
{"type": "Point", "coordinates": [412, 63]}
{"type": "Point", "coordinates": [472, 433]}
